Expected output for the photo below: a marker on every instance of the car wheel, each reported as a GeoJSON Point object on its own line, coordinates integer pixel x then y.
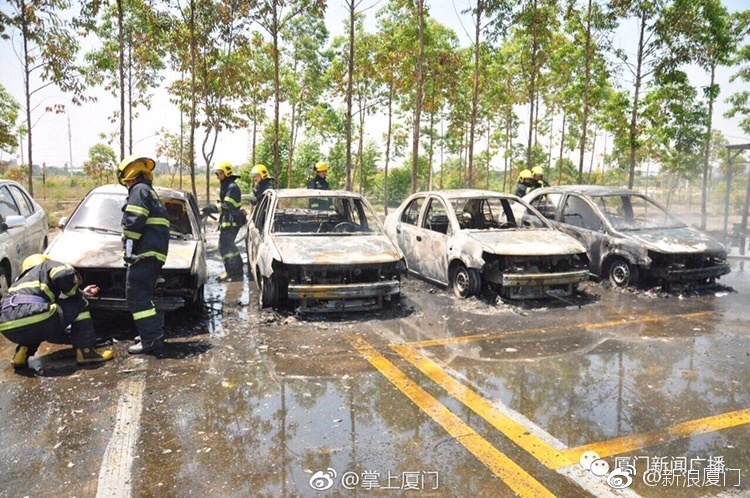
{"type": "Point", "coordinates": [269, 292]}
{"type": "Point", "coordinates": [4, 282]}
{"type": "Point", "coordinates": [466, 281]}
{"type": "Point", "coordinates": [197, 300]}
{"type": "Point", "coordinates": [621, 273]}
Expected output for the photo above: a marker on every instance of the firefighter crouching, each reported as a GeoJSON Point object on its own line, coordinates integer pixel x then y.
{"type": "Point", "coordinates": [32, 312]}
{"type": "Point", "coordinates": [145, 229]}
{"type": "Point", "coordinates": [231, 219]}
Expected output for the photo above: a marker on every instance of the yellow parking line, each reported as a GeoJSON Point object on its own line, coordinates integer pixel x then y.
{"type": "Point", "coordinates": [503, 467]}
{"type": "Point", "coordinates": [507, 426]}
{"type": "Point", "coordinates": [596, 325]}
{"type": "Point", "coordinates": [660, 436]}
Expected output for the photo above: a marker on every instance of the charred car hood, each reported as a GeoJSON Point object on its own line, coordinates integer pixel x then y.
{"type": "Point", "coordinates": [525, 242]}
{"type": "Point", "coordinates": [86, 250]}
{"type": "Point", "coordinates": [336, 250]}
{"type": "Point", "coordinates": [676, 240]}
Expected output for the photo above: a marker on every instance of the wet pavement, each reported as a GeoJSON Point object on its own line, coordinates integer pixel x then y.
{"type": "Point", "coordinates": [432, 397]}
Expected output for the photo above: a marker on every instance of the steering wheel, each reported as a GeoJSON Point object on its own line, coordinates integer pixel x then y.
{"type": "Point", "coordinates": [346, 226]}
{"type": "Point", "coordinates": [507, 224]}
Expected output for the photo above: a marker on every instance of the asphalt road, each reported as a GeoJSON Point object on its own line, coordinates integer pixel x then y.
{"type": "Point", "coordinates": [435, 397]}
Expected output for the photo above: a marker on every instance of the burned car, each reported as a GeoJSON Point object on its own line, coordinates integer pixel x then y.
{"type": "Point", "coordinates": [91, 242]}
{"type": "Point", "coordinates": [325, 250]}
{"type": "Point", "coordinates": [469, 238]}
{"type": "Point", "coordinates": [630, 236]}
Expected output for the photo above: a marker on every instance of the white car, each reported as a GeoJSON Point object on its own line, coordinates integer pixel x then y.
{"type": "Point", "coordinates": [23, 230]}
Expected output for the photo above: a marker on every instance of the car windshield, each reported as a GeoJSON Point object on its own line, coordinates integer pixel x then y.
{"type": "Point", "coordinates": [486, 213]}
{"type": "Point", "coordinates": [102, 213]}
{"type": "Point", "coordinates": [634, 212]}
{"type": "Point", "coordinates": [99, 212]}
{"type": "Point", "coordinates": [324, 215]}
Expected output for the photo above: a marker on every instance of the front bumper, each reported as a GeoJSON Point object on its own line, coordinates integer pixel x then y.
{"type": "Point", "coordinates": [537, 279]}
{"type": "Point", "coordinates": [691, 274]}
{"type": "Point", "coordinates": [166, 303]}
{"type": "Point", "coordinates": [344, 291]}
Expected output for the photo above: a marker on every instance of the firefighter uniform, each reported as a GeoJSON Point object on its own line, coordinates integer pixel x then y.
{"type": "Point", "coordinates": [32, 312]}
{"type": "Point", "coordinates": [231, 219]}
{"type": "Point", "coordinates": [145, 224]}
{"type": "Point", "coordinates": [263, 181]}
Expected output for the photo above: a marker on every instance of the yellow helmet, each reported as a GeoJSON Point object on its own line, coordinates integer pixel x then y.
{"type": "Point", "coordinates": [537, 170]}
{"type": "Point", "coordinates": [132, 166]}
{"type": "Point", "coordinates": [321, 166]}
{"type": "Point", "coordinates": [32, 261]}
{"type": "Point", "coordinates": [524, 174]}
{"type": "Point", "coordinates": [226, 168]}
{"type": "Point", "coordinates": [261, 170]}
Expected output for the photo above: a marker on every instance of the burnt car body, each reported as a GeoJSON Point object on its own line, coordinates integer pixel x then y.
{"type": "Point", "coordinates": [91, 241]}
{"type": "Point", "coordinates": [323, 249]}
{"type": "Point", "coordinates": [468, 238]}
{"type": "Point", "coordinates": [630, 236]}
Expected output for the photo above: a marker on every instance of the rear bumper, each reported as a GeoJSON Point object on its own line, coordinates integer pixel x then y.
{"type": "Point", "coordinates": [344, 291]}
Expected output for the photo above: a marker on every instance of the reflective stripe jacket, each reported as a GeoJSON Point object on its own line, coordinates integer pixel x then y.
{"type": "Point", "coordinates": [145, 221]}
{"type": "Point", "coordinates": [229, 202]}
{"type": "Point", "coordinates": [261, 187]}
{"type": "Point", "coordinates": [47, 281]}
{"type": "Point", "coordinates": [318, 183]}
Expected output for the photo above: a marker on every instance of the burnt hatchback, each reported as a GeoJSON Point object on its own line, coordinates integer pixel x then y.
{"type": "Point", "coordinates": [471, 238]}
{"type": "Point", "coordinates": [322, 249]}
{"type": "Point", "coordinates": [630, 237]}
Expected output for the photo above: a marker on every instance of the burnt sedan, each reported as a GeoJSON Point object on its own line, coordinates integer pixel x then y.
{"type": "Point", "coordinates": [469, 238]}
{"type": "Point", "coordinates": [629, 236]}
{"type": "Point", "coordinates": [91, 242]}
{"type": "Point", "coordinates": [324, 250]}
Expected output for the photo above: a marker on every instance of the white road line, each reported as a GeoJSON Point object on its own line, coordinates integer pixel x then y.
{"type": "Point", "coordinates": [115, 473]}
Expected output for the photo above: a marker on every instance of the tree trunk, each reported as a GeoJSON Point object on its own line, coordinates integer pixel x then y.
{"type": "Point", "coordinates": [349, 91]}
{"type": "Point", "coordinates": [586, 87]}
{"type": "Point", "coordinates": [634, 114]}
{"type": "Point", "coordinates": [562, 150]}
{"type": "Point", "coordinates": [388, 148]}
{"type": "Point", "coordinates": [474, 96]}
{"type": "Point", "coordinates": [276, 90]}
{"type": "Point", "coordinates": [121, 75]}
{"type": "Point", "coordinates": [418, 102]}
{"type": "Point", "coordinates": [707, 154]}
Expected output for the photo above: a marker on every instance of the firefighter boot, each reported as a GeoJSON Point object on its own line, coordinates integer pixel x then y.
{"type": "Point", "coordinates": [91, 355]}
{"type": "Point", "coordinates": [147, 347]}
{"type": "Point", "coordinates": [21, 357]}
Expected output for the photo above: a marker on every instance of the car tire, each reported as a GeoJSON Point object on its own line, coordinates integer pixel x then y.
{"type": "Point", "coordinates": [621, 273]}
{"type": "Point", "coordinates": [269, 292]}
{"type": "Point", "coordinates": [196, 303]}
{"type": "Point", "coordinates": [466, 282]}
{"type": "Point", "coordinates": [4, 282]}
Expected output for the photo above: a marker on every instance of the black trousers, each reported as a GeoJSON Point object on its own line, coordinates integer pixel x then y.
{"type": "Point", "coordinates": [140, 282]}
{"type": "Point", "coordinates": [73, 312]}
{"type": "Point", "coordinates": [230, 253]}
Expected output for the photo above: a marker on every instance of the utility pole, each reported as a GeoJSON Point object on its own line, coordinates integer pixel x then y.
{"type": "Point", "coordinates": [70, 146]}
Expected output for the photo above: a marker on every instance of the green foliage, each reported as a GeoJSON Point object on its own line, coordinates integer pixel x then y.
{"type": "Point", "coordinates": [101, 164]}
{"type": "Point", "coordinates": [8, 117]}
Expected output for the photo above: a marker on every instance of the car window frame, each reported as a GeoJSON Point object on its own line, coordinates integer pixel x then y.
{"type": "Point", "coordinates": [17, 191]}
{"type": "Point", "coordinates": [426, 211]}
{"type": "Point", "coordinates": [601, 223]}
{"type": "Point", "coordinates": [419, 198]}
{"type": "Point", "coordinates": [6, 188]}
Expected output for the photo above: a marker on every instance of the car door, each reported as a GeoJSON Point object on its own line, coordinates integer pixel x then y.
{"type": "Point", "coordinates": [14, 239]}
{"type": "Point", "coordinates": [581, 220]}
{"type": "Point", "coordinates": [256, 231]}
{"type": "Point", "coordinates": [407, 231]}
{"type": "Point", "coordinates": [35, 221]}
{"type": "Point", "coordinates": [432, 240]}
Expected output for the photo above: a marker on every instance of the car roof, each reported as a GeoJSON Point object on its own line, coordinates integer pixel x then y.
{"type": "Point", "coordinates": [586, 190]}
{"type": "Point", "coordinates": [466, 192]}
{"type": "Point", "coordinates": [306, 192]}
{"type": "Point", "coordinates": [120, 190]}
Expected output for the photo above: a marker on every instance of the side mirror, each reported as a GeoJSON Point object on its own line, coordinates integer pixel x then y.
{"type": "Point", "coordinates": [14, 221]}
{"type": "Point", "coordinates": [63, 221]}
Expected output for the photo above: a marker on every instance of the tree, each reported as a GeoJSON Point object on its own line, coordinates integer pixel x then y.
{"type": "Point", "coordinates": [8, 117]}
{"type": "Point", "coordinates": [101, 164]}
{"type": "Point", "coordinates": [48, 55]}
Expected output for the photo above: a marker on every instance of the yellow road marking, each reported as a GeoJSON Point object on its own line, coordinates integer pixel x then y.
{"type": "Point", "coordinates": [656, 437]}
{"type": "Point", "coordinates": [507, 426]}
{"type": "Point", "coordinates": [597, 325]}
{"type": "Point", "coordinates": [502, 466]}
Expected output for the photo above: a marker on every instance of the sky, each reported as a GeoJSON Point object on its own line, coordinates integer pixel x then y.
{"type": "Point", "coordinates": [58, 137]}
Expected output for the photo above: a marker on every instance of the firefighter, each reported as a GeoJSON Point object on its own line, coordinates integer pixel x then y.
{"type": "Point", "coordinates": [538, 180]}
{"type": "Point", "coordinates": [145, 228]}
{"type": "Point", "coordinates": [231, 218]}
{"type": "Point", "coordinates": [319, 182]}
{"type": "Point", "coordinates": [32, 311]}
{"type": "Point", "coordinates": [525, 178]}
{"type": "Point", "coordinates": [263, 181]}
